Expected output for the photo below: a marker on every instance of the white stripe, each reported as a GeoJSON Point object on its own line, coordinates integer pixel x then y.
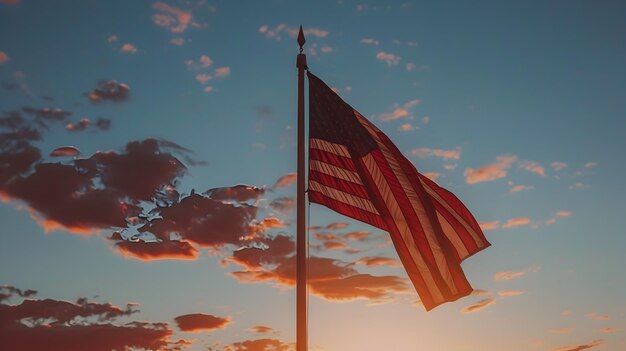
{"type": "Point", "coordinates": [343, 197]}
{"type": "Point", "coordinates": [401, 223]}
{"type": "Point", "coordinates": [327, 146]}
{"type": "Point", "coordinates": [425, 222]}
{"type": "Point", "coordinates": [335, 171]}
{"type": "Point", "coordinates": [479, 242]}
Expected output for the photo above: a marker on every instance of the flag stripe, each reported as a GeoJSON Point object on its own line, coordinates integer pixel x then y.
{"type": "Point", "coordinates": [327, 146]}
{"type": "Point", "coordinates": [340, 184]}
{"type": "Point", "coordinates": [334, 171]}
{"type": "Point", "coordinates": [333, 159]}
{"type": "Point", "coordinates": [343, 196]}
{"type": "Point", "coordinates": [347, 210]}
{"type": "Point", "coordinates": [416, 249]}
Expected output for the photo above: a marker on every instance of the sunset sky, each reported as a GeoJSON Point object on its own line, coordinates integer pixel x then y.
{"type": "Point", "coordinates": [147, 151]}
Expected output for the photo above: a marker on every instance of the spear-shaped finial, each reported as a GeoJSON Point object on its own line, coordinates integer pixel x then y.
{"type": "Point", "coordinates": [301, 39]}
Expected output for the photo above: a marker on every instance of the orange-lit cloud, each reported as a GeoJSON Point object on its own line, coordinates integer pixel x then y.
{"type": "Point", "coordinates": [510, 292]}
{"type": "Point", "coordinates": [564, 214]}
{"type": "Point", "coordinates": [407, 127]}
{"type": "Point", "coordinates": [489, 225]}
{"type": "Point", "coordinates": [361, 235]}
{"type": "Point", "coordinates": [3, 57]}
{"type": "Point", "coordinates": [481, 292]}
{"type": "Point", "coordinates": [432, 175]}
{"type": "Point", "coordinates": [389, 58]}
{"type": "Point", "coordinates": [109, 90]}
{"type": "Point", "coordinates": [336, 225]}
{"type": "Point", "coordinates": [580, 347]}
{"type": "Point", "coordinates": [200, 322]}
{"type": "Point", "coordinates": [444, 154]}
{"type": "Point", "coordinates": [491, 171]}
{"type": "Point", "coordinates": [165, 250]}
{"type": "Point", "coordinates": [283, 204]}
{"type": "Point", "coordinates": [508, 275]}
{"type": "Point", "coordinates": [129, 48]}
{"type": "Point", "coordinates": [374, 261]}
{"type": "Point", "coordinates": [533, 167]}
{"type": "Point", "coordinates": [597, 317]}
{"type": "Point", "coordinates": [261, 329]}
{"type": "Point", "coordinates": [369, 41]}
{"type": "Point", "coordinates": [398, 112]}
{"type": "Point", "coordinates": [286, 180]}
{"type": "Point", "coordinates": [518, 188]}
{"type": "Point", "coordinates": [516, 222]}
{"type": "Point", "coordinates": [258, 345]}
{"type": "Point", "coordinates": [607, 330]}
{"type": "Point", "coordinates": [65, 151]}
{"type": "Point", "coordinates": [172, 18]}
{"type": "Point", "coordinates": [480, 305]}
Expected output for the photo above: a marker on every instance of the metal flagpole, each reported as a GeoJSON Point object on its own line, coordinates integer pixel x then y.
{"type": "Point", "coordinates": [301, 254]}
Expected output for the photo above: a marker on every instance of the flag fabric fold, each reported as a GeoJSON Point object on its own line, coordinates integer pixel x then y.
{"type": "Point", "coordinates": [355, 170]}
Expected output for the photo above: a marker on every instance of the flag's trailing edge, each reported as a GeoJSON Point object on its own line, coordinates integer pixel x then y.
{"type": "Point", "coordinates": [354, 169]}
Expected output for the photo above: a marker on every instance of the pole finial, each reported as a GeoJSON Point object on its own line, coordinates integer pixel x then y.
{"type": "Point", "coordinates": [301, 39]}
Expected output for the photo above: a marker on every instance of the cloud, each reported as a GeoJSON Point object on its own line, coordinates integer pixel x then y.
{"type": "Point", "coordinates": [128, 48]}
{"type": "Point", "coordinates": [3, 57]}
{"type": "Point", "coordinates": [101, 124]}
{"type": "Point", "coordinates": [178, 41]}
{"type": "Point", "coordinates": [112, 39]}
{"type": "Point", "coordinates": [516, 222]}
{"type": "Point", "coordinates": [491, 171]}
{"type": "Point", "coordinates": [198, 322]}
{"type": "Point", "coordinates": [375, 261]}
{"type": "Point", "coordinates": [407, 127]}
{"type": "Point", "coordinates": [580, 347]}
{"type": "Point", "coordinates": [444, 154]}
{"type": "Point", "coordinates": [480, 305]}
{"type": "Point", "coordinates": [109, 90]}
{"type": "Point", "coordinates": [389, 58]}
{"type": "Point", "coordinates": [258, 345]}
{"type": "Point", "coordinates": [410, 67]}
{"type": "Point", "coordinates": [489, 225]}
{"type": "Point", "coordinates": [533, 167]}
{"type": "Point", "coordinates": [336, 225]}
{"type": "Point", "coordinates": [481, 292]}
{"type": "Point", "coordinates": [508, 275]}
{"type": "Point", "coordinates": [157, 250]}
{"type": "Point", "coordinates": [275, 33]}
{"type": "Point", "coordinates": [597, 317]}
{"type": "Point", "coordinates": [283, 204]}
{"type": "Point", "coordinates": [65, 151]}
{"type": "Point", "coordinates": [399, 111]}
{"type": "Point", "coordinates": [172, 18]}
{"type": "Point", "coordinates": [518, 188]}
{"type": "Point", "coordinates": [369, 41]}
{"type": "Point", "coordinates": [361, 235]}
{"type": "Point", "coordinates": [102, 191]}
{"type": "Point", "coordinates": [562, 330]}
{"type": "Point", "coordinates": [432, 175]}
{"type": "Point", "coordinates": [222, 72]}
{"type": "Point", "coordinates": [557, 165]}
{"type": "Point", "coordinates": [510, 292]}
{"type": "Point", "coordinates": [46, 113]}
{"type": "Point", "coordinates": [563, 213]}
{"type": "Point", "coordinates": [240, 193]}
{"type": "Point", "coordinates": [286, 180]}
{"type": "Point", "coordinates": [261, 329]}
{"type": "Point", "coordinates": [607, 330]}
{"type": "Point", "coordinates": [8, 291]}
{"type": "Point", "coordinates": [57, 325]}
{"type": "Point", "coordinates": [590, 164]}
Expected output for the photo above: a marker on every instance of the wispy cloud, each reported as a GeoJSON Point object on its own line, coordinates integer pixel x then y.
{"type": "Point", "coordinates": [516, 222]}
{"type": "Point", "coordinates": [400, 111]}
{"type": "Point", "coordinates": [590, 164]}
{"type": "Point", "coordinates": [172, 18]}
{"type": "Point", "coordinates": [489, 225]}
{"type": "Point", "coordinates": [369, 41]}
{"type": "Point", "coordinates": [607, 330]}
{"type": "Point", "coordinates": [565, 330]}
{"type": "Point", "coordinates": [389, 58]}
{"type": "Point", "coordinates": [533, 167]}
{"type": "Point", "coordinates": [597, 317]}
{"type": "Point", "coordinates": [128, 48]}
{"type": "Point", "coordinates": [508, 275]}
{"type": "Point", "coordinates": [504, 293]}
{"type": "Point", "coordinates": [479, 306]}
{"type": "Point", "coordinates": [276, 32]}
{"type": "Point", "coordinates": [519, 187]}
{"type": "Point", "coordinates": [491, 171]}
{"type": "Point", "coordinates": [444, 154]}
{"type": "Point", "coordinates": [557, 165]}
{"type": "Point", "coordinates": [407, 127]}
{"type": "Point", "coordinates": [286, 180]}
{"type": "Point", "coordinates": [580, 347]}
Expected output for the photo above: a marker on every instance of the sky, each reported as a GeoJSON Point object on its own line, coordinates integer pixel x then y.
{"type": "Point", "coordinates": [148, 151]}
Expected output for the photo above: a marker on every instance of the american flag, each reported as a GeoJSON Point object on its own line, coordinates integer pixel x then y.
{"type": "Point", "coordinates": [354, 169]}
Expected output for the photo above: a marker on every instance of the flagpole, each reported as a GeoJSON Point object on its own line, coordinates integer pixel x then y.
{"type": "Point", "coordinates": [301, 254]}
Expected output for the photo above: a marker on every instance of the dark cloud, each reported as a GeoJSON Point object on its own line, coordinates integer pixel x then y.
{"type": "Point", "coordinates": [283, 204]}
{"type": "Point", "coordinates": [480, 305]}
{"type": "Point", "coordinates": [261, 329]}
{"type": "Point", "coordinates": [240, 193]}
{"type": "Point", "coordinates": [57, 325]}
{"type": "Point", "coordinates": [103, 123]}
{"type": "Point", "coordinates": [197, 322]}
{"type": "Point", "coordinates": [258, 345]}
{"type": "Point", "coordinates": [46, 113]}
{"type": "Point", "coordinates": [581, 347]}
{"type": "Point", "coordinates": [153, 250]}
{"type": "Point", "coordinates": [8, 291]}
{"type": "Point", "coordinates": [78, 126]}
{"type": "Point", "coordinates": [109, 90]}
{"type": "Point", "coordinates": [103, 191]}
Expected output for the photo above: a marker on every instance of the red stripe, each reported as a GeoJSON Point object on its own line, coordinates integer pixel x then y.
{"type": "Point", "coordinates": [339, 184]}
{"type": "Point", "coordinates": [333, 159]}
{"type": "Point", "coordinates": [348, 210]}
{"type": "Point", "coordinates": [403, 252]}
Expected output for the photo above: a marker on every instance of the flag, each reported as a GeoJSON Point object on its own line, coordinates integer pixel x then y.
{"type": "Point", "coordinates": [355, 170]}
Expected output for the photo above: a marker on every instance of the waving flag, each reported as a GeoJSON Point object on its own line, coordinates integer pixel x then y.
{"type": "Point", "coordinates": [354, 169]}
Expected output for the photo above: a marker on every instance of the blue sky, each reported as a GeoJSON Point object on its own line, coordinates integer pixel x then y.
{"type": "Point", "coordinates": [517, 108]}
